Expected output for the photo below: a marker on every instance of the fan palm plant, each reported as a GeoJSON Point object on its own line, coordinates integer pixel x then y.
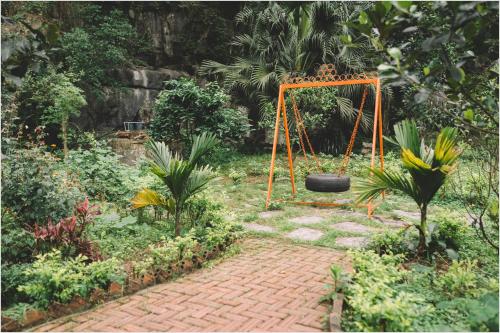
{"type": "Point", "coordinates": [428, 168]}
{"type": "Point", "coordinates": [183, 178]}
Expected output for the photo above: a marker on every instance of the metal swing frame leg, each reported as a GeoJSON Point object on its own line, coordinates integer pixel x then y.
{"type": "Point", "coordinates": [281, 110]}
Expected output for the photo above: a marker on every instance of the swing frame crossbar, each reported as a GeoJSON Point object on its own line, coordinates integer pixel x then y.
{"type": "Point", "coordinates": [318, 82]}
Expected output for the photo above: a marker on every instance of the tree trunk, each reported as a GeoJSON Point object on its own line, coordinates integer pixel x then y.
{"type": "Point", "coordinates": [64, 128]}
{"type": "Point", "coordinates": [422, 230]}
{"type": "Point", "coordinates": [177, 220]}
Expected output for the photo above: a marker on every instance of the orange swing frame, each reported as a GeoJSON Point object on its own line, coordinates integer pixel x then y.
{"type": "Point", "coordinates": [326, 77]}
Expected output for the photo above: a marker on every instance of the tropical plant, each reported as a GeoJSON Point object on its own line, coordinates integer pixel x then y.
{"type": "Point", "coordinates": [282, 40]}
{"type": "Point", "coordinates": [428, 168]}
{"type": "Point", "coordinates": [184, 108]}
{"type": "Point", "coordinates": [184, 178]}
{"type": "Point", "coordinates": [67, 99]}
{"type": "Point", "coordinates": [35, 187]}
{"type": "Point", "coordinates": [69, 233]}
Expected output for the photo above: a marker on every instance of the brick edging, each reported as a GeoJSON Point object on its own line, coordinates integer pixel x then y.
{"type": "Point", "coordinates": [336, 313]}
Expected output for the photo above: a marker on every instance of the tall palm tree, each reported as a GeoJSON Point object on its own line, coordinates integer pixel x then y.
{"type": "Point", "coordinates": [428, 168]}
{"type": "Point", "coordinates": [184, 178]}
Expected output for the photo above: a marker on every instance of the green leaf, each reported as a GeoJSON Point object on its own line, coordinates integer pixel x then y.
{"type": "Point", "coordinates": [457, 74]}
{"type": "Point", "coordinates": [402, 5]}
{"type": "Point", "coordinates": [469, 115]}
{"type": "Point", "coordinates": [346, 39]}
{"type": "Point", "coordinates": [363, 18]}
{"type": "Point", "coordinates": [427, 71]}
{"type": "Point", "coordinates": [395, 53]}
{"type": "Point", "coordinates": [385, 67]}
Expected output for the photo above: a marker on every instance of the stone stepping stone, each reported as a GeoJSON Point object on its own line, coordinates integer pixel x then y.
{"type": "Point", "coordinates": [269, 214]}
{"type": "Point", "coordinates": [392, 223]}
{"type": "Point", "coordinates": [353, 227]}
{"type": "Point", "coordinates": [305, 234]}
{"type": "Point", "coordinates": [409, 215]}
{"type": "Point", "coordinates": [352, 242]}
{"type": "Point", "coordinates": [343, 201]}
{"type": "Point", "coordinates": [307, 219]}
{"type": "Point", "coordinates": [258, 227]}
{"type": "Point", "coordinates": [353, 214]}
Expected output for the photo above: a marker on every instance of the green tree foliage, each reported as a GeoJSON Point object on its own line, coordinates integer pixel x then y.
{"type": "Point", "coordinates": [183, 108]}
{"type": "Point", "coordinates": [184, 178]}
{"type": "Point", "coordinates": [104, 42]}
{"type": "Point", "coordinates": [446, 56]}
{"type": "Point", "coordinates": [428, 168]}
{"type": "Point", "coordinates": [67, 101]}
{"type": "Point", "coordinates": [289, 39]}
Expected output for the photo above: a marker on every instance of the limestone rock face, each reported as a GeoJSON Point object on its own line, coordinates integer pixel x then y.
{"type": "Point", "coordinates": [145, 78]}
{"type": "Point", "coordinates": [130, 102]}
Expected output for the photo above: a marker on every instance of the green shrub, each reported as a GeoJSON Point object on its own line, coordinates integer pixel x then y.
{"type": "Point", "coordinates": [17, 242]}
{"type": "Point", "coordinates": [35, 187]}
{"type": "Point", "coordinates": [12, 277]}
{"type": "Point", "coordinates": [100, 172]}
{"type": "Point", "coordinates": [383, 295]}
{"type": "Point", "coordinates": [52, 279]}
{"type": "Point", "coordinates": [390, 242]}
{"type": "Point", "coordinates": [373, 303]}
{"type": "Point", "coordinates": [236, 175]}
{"type": "Point", "coordinates": [460, 279]}
{"type": "Point", "coordinates": [183, 109]}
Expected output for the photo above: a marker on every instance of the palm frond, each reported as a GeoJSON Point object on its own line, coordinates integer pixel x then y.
{"type": "Point", "coordinates": [201, 145]}
{"type": "Point", "coordinates": [406, 135]}
{"type": "Point", "coordinates": [381, 181]}
{"type": "Point", "coordinates": [147, 197]}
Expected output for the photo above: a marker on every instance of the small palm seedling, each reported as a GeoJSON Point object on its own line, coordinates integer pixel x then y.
{"type": "Point", "coordinates": [428, 168]}
{"type": "Point", "coordinates": [184, 178]}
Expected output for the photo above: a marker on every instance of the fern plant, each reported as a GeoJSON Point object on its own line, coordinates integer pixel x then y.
{"type": "Point", "coordinates": [184, 178]}
{"type": "Point", "coordinates": [428, 168]}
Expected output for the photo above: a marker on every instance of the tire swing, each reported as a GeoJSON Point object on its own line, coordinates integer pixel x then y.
{"type": "Point", "coordinates": [327, 182]}
{"type": "Point", "coordinates": [317, 181]}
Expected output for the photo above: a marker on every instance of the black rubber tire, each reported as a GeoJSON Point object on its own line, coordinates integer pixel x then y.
{"type": "Point", "coordinates": [328, 182]}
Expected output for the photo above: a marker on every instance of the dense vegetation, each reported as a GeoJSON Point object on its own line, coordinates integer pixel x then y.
{"type": "Point", "coordinates": [76, 219]}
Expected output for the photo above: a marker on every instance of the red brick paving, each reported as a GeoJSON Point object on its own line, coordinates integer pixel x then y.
{"type": "Point", "coordinates": [270, 286]}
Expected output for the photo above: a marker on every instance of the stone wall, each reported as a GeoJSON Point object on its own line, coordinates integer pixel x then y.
{"type": "Point", "coordinates": [131, 101]}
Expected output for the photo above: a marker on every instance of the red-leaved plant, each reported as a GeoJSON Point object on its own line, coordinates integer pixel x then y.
{"type": "Point", "coordinates": [70, 231]}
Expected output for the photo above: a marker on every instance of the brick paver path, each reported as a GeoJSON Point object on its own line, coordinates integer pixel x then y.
{"type": "Point", "coordinates": [270, 286]}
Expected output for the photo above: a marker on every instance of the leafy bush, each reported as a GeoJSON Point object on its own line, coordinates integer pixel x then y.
{"type": "Point", "coordinates": [183, 109]}
{"type": "Point", "coordinates": [384, 295]}
{"type": "Point", "coordinates": [12, 277]}
{"type": "Point", "coordinates": [236, 175]}
{"type": "Point", "coordinates": [459, 280]}
{"type": "Point", "coordinates": [34, 178]}
{"type": "Point", "coordinates": [100, 172]}
{"type": "Point", "coordinates": [69, 234]}
{"type": "Point", "coordinates": [17, 242]}
{"type": "Point", "coordinates": [373, 304]}
{"type": "Point", "coordinates": [52, 279]}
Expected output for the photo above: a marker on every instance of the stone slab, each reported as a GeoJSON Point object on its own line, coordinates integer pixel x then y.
{"type": "Point", "coordinates": [305, 234]}
{"type": "Point", "coordinates": [352, 227]}
{"type": "Point", "coordinates": [258, 227]}
{"type": "Point", "coordinates": [309, 219]}
{"type": "Point", "coordinates": [352, 242]}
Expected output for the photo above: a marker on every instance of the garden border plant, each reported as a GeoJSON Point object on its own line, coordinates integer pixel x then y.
{"type": "Point", "coordinates": [160, 263]}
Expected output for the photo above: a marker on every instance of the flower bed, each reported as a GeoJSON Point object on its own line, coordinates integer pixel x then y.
{"type": "Point", "coordinates": [60, 287]}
